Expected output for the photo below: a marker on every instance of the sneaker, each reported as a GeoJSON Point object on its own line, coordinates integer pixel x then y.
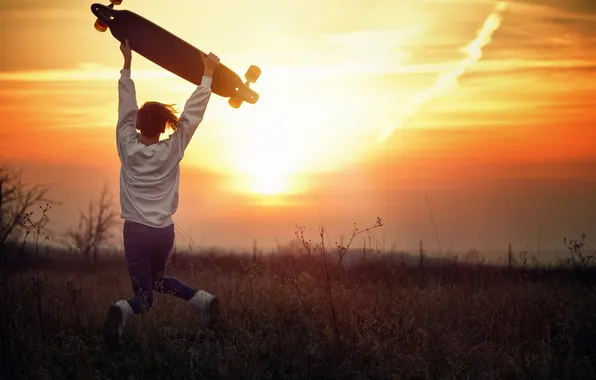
{"type": "Point", "coordinates": [207, 307]}
{"type": "Point", "coordinates": [115, 322]}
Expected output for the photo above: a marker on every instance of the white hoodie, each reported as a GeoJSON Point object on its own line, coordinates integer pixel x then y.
{"type": "Point", "coordinates": [150, 175]}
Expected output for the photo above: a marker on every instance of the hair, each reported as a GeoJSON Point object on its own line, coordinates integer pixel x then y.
{"type": "Point", "coordinates": [153, 118]}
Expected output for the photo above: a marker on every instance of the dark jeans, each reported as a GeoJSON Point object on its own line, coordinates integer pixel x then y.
{"type": "Point", "coordinates": [147, 251]}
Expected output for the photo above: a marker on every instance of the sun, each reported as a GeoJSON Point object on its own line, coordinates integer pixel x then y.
{"type": "Point", "coordinates": [293, 132]}
{"type": "Point", "coordinates": [272, 151]}
{"type": "Point", "coordinates": [268, 144]}
{"type": "Point", "coordinates": [269, 185]}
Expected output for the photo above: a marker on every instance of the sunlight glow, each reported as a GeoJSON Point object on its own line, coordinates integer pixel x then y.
{"type": "Point", "coordinates": [295, 130]}
{"type": "Point", "coordinates": [271, 150]}
{"type": "Point", "coordinates": [269, 185]}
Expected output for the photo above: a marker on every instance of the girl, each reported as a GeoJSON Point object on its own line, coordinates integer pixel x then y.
{"type": "Point", "coordinates": [149, 179]}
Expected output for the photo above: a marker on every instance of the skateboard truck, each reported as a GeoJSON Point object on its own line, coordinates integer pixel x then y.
{"type": "Point", "coordinates": [252, 74]}
{"type": "Point", "coordinates": [104, 16]}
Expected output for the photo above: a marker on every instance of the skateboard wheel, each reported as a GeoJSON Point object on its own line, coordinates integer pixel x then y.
{"type": "Point", "coordinates": [100, 26]}
{"type": "Point", "coordinates": [235, 102]}
{"type": "Point", "coordinates": [252, 74]}
{"type": "Point", "coordinates": [116, 2]}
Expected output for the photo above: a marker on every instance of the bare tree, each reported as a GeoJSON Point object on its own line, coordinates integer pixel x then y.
{"type": "Point", "coordinates": [94, 227]}
{"type": "Point", "coordinates": [16, 198]}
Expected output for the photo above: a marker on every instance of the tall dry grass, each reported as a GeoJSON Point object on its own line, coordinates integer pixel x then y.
{"type": "Point", "coordinates": [305, 316]}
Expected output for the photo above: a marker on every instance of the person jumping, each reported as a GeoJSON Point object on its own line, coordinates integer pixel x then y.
{"type": "Point", "coordinates": [149, 180]}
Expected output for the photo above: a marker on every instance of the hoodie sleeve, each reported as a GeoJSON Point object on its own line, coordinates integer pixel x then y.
{"type": "Point", "coordinates": [127, 107]}
{"type": "Point", "coordinates": [191, 117]}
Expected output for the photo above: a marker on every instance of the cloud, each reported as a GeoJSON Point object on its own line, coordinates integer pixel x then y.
{"type": "Point", "coordinates": [577, 8]}
{"type": "Point", "coordinates": [36, 10]}
{"type": "Point", "coordinates": [449, 80]}
{"type": "Point", "coordinates": [7, 5]}
{"type": "Point", "coordinates": [84, 72]}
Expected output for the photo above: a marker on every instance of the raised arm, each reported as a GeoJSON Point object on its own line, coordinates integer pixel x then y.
{"type": "Point", "coordinates": [127, 98]}
{"type": "Point", "coordinates": [195, 107]}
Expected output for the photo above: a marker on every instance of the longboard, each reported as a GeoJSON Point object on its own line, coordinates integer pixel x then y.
{"type": "Point", "coordinates": [172, 53]}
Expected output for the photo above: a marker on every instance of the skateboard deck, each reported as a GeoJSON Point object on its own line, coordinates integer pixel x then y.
{"type": "Point", "coordinates": [171, 52]}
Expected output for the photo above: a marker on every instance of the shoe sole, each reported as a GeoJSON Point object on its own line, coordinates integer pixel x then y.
{"type": "Point", "coordinates": [110, 330]}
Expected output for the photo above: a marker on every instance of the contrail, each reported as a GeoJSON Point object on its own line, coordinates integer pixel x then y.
{"type": "Point", "coordinates": [448, 81]}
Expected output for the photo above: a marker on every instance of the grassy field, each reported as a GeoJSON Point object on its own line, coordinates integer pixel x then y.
{"type": "Point", "coordinates": [292, 316]}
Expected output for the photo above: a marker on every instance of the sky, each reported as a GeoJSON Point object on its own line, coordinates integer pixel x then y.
{"type": "Point", "coordinates": [462, 123]}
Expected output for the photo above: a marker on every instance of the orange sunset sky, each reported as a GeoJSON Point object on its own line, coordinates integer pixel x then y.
{"type": "Point", "coordinates": [367, 108]}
